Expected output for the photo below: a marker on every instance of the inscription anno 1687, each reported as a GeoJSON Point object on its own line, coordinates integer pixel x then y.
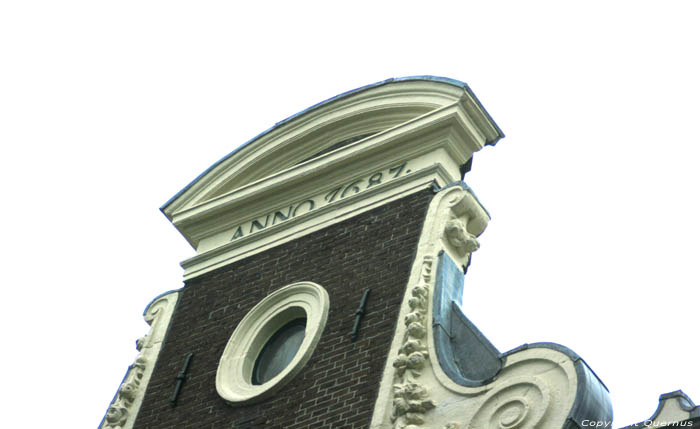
{"type": "Point", "coordinates": [305, 206]}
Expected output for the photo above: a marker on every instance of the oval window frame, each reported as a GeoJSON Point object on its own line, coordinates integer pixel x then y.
{"type": "Point", "coordinates": [234, 374]}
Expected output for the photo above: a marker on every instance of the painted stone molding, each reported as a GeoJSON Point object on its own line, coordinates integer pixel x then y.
{"type": "Point", "coordinates": [341, 157]}
{"type": "Point", "coordinates": [122, 412]}
{"type": "Point", "coordinates": [444, 373]}
{"type": "Point", "coordinates": [234, 375]}
{"type": "Point", "coordinates": [118, 412]}
{"type": "Point", "coordinates": [411, 400]}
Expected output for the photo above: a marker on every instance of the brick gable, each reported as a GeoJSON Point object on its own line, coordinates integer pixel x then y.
{"type": "Point", "coordinates": [338, 386]}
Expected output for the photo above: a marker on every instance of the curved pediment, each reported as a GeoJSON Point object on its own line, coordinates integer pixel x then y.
{"type": "Point", "coordinates": [328, 127]}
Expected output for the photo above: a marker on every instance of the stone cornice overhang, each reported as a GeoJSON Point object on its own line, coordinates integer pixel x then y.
{"type": "Point", "coordinates": [473, 106]}
{"type": "Point", "coordinates": [416, 132]}
{"type": "Point", "coordinates": [445, 129]}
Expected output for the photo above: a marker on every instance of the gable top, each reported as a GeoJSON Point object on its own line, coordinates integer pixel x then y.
{"type": "Point", "coordinates": [329, 126]}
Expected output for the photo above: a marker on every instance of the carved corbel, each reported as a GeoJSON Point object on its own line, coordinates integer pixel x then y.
{"type": "Point", "coordinates": [459, 238]}
{"type": "Point", "coordinates": [465, 221]}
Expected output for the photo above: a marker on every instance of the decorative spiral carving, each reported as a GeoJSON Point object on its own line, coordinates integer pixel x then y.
{"type": "Point", "coordinates": [512, 413]}
{"type": "Point", "coordinates": [519, 403]}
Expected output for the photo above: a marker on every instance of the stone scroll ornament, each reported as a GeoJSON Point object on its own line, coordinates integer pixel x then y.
{"type": "Point", "coordinates": [444, 373]}
{"type": "Point", "coordinates": [121, 414]}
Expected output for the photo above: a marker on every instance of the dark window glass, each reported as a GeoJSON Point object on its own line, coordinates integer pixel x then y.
{"type": "Point", "coordinates": [279, 351]}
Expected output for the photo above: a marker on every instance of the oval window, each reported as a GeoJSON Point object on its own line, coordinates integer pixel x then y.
{"type": "Point", "coordinates": [272, 343]}
{"type": "Point", "coordinates": [279, 351]}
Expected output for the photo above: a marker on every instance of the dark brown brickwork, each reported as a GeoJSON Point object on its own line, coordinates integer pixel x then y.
{"type": "Point", "coordinates": [338, 386]}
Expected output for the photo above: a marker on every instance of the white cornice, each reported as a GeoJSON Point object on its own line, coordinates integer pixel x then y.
{"type": "Point", "coordinates": [224, 251]}
{"type": "Point", "coordinates": [368, 110]}
{"type": "Point", "coordinates": [278, 187]}
{"type": "Point", "coordinates": [447, 129]}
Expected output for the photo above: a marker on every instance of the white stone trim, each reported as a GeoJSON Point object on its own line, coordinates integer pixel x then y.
{"type": "Point", "coordinates": [234, 374]}
{"type": "Point", "coordinates": [127, 402]}
{"type": "Point", "coordinates": [432, 127]}
{"type": "Point", "coordinates": [371, 110]}
{"type": "Point", "coordinates": [442, 136]}
{"type": "Point", "coordinates": [226, 251]}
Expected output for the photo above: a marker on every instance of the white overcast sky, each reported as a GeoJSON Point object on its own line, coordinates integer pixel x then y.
{"type": "Point", "coordinates": [107, 109]}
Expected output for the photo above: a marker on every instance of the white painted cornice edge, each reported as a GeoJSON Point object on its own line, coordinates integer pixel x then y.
{"type": "Point", "coordinates": [447, 130]}
{"type": "Point", "coordinates": [369, 109]}
{"type": "Point", "coordinates": [325, 216]}
{"type": "Point", "coordinates": [431, 148]}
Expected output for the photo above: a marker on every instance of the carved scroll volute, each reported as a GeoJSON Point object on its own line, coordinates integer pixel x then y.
{"type": "Point", "coordinates": [535, 388]}
{"type": "Point", "coordinates": [158, 316]}
{"type": "Point", "coordinates": [122, 412]}
{"type": "Point", "coordinates": [518, 402]}
{"type": "Point", "coordinates": [465, 221]}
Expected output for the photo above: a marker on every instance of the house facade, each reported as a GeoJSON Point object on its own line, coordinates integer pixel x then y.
{"type": "Point", "coordinates": [326, 286]}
